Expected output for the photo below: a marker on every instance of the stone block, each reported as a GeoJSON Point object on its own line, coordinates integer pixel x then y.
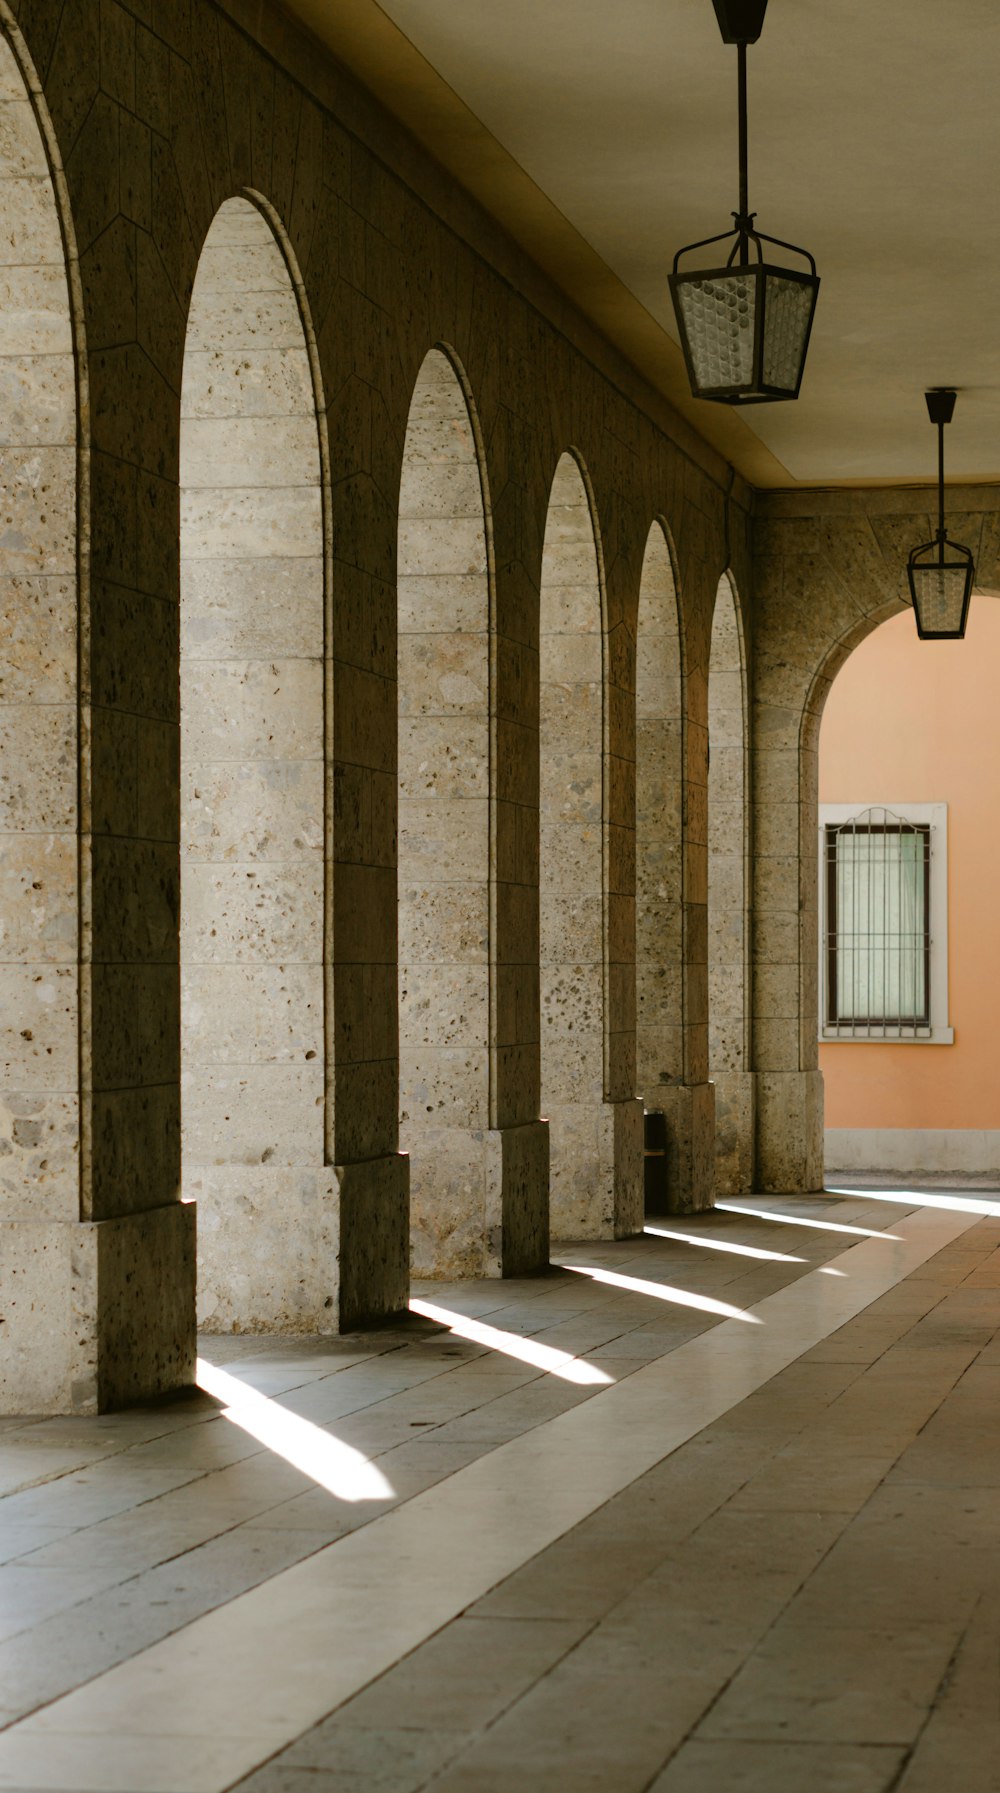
{"type": "Point", "coordinates": [268, 1249]}
{"type": "Point", "coordinates": [38, 898]}
{"type": "Point", "coordinates": [252, 1014]}
{"type": "Point", "coordinates": [39, 1156]}
{"type": "Point", "coordinates": [39, 1027]}
{"type": "Point", "coordinates": [443, 757]}
{"type": "Point", "coordinates": [251, 610]}
{"type": "Point", "coordinates": [98, 1314]}
{"type": "Point", "coordinates": [789, 1131]}
{"type": "Point", "coordinates": [734, 1131]}
{"type": "Point", "coordinates": [248, 913]}
{"type": "Point", "coordinates": [690, 1112]}
{"type": "Point", "coordinates": [38, 775]}
{"type": "Point", "coordinates": [455, 1203]}
{"type": "Point", "coordinates": [445, 674]}
{"type": "Point", "coordinates": [253, 1114]}
{"type": "Point", "coordinates": [255, 810]}
{"type": "Point", "coordinates": [374, 1239]}
{"type": "Point", "coordinates": [253, 709]}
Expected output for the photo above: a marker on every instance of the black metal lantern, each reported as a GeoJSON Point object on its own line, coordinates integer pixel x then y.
{"type": "Point", "coordinates": [941, 572]}
{"type": "Point", "coordinates": [745, 321]}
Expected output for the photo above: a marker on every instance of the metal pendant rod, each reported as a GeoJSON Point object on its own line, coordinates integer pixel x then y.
{"type": "Point", "coordinates": [744, 154]}
{"type": "Point", "coordinates": [940, 431]}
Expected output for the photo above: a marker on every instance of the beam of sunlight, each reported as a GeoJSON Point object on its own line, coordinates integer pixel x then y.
{"type": "Point", "coordinates": [829, 1270]}
{"type": "Point", "coordinates": [953, 1204]}
{"type": "Point", "coordinates": [511, 1344]}
{"type": "Point", "coordinates": [739, 1251]}
{"type": "Point", "coordinates": [338, 1467]}
{"type": "Point", "coordinates": [636, 1285]}
{"type": "Point", "coordinates": [823, 1226]}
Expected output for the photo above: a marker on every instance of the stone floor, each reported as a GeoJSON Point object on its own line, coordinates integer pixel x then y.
{"type": "Point", "coordinates": [765, 1556]}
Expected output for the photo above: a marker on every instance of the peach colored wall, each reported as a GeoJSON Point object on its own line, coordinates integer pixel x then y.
{"type": "Point", "coordinates": [919, 722]}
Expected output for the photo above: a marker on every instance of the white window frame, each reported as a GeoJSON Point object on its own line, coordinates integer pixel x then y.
{"type": "Point", "coordinates": [935, 817]}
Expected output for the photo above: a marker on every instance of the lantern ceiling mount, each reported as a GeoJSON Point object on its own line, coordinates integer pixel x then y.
{"type": "Point", "coordinates": [740, 21]}
{"type": "Point", "coordinates": [941, 573]}
{"type": "Point", "coordinates": [745, 326]}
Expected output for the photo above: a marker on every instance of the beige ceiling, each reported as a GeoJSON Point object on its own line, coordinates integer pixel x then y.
{"type": "Point", "coordinates": [602, 134]}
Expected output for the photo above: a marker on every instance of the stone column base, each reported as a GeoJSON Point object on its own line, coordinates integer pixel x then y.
{"type": "Point", "coordinates": [267, 1248]}
{"type": "Point", "coordinates": [734, 1132]}
{"type": "Point", "coordinates": [597, 1170]}
{"type": "Point", "coordinates": [789, 1131]}
{"type": "Point", "coordinates": [97, 1314]}
{"type": "Point", "coordinates": [374, 1200]}
{"type": "Point", "coordinates": [524, 1198]}
{"type": "Point", "coordinates": [630, 1195]}
{"type": "Point", "coordinates": [690, 1112]}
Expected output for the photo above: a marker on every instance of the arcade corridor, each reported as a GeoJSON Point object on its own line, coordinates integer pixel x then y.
{"type": "Point", "coordinates": [716, 1508]}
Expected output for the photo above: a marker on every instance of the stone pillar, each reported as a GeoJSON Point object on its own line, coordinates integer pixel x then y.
{"type": "Point", "coordinates": [728, 945]}
{"type": "Point", "coordinates": [96, 1251]}
{"type": "Point", "coordinates": [587, 877]}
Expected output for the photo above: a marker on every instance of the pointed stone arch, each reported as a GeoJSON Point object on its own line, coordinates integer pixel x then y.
{"type": "Point", "coordinates": [254, 914]}
{"type": "Point", "coordinates": [728, 889]}
{"type": "Point", "coordinates": [444, 611]}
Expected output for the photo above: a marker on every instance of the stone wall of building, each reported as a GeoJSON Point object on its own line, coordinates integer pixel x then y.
{"type": "Point", "coordinates": [829, 567]}
{"type": "Point", "coordinates": [148, 120]}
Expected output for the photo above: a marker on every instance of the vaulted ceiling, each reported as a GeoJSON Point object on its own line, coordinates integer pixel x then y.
{"type": "Point", "coordinates": [603, 136]}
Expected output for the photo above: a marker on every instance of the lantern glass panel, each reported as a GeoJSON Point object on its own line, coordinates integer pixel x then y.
{"type": "Point", "coordinates": [719, 316]}
{"type": "Point", "coordinates": [788, 313]}
{"type": "Point", "coordinates": [941, 596]}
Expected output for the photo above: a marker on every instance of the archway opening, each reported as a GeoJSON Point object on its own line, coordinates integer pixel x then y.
{"type": "Point", "coordinates": [253, 784]}
{"type": "Point", "coordinates": [571, 867]}
{"type": "Point", "coordinates": [659, 925]}
{"type": "Point", "coordinates": [909, 959]}
{"type": "Point", "coordinates": [444, 835]}
{"type": "Point", "coordinates": [728, 1057]}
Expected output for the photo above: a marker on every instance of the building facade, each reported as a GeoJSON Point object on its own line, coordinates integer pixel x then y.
{"type": "Point", "coordinates": [409, 723]}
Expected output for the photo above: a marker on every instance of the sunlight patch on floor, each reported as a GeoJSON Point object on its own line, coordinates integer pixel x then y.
{"type": "Point", "coordinates": [739, 1251]}
{"type": "Point", "coordinates": [637, 1285]}
{"type": "Point", "coordinates": [511, 1344]}
{"type": "Point", "coordinates": [338, 1467]}
{"type": "Point", "coordinates": [823, 1226]}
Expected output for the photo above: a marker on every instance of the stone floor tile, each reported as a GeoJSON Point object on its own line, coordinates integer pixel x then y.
{"type": "Point", "coordinates": [836, 1684]}
{"type": "Point", "coordinates": [461, 1679]}
{"type": "Point", "coordinates": [616, 1728]}
{"type": "Point", "coordinates": [701, 1767]}
{"type": "Point", "coordinates": [386, 1755]}
{"type": "Point", "coordinates": [17, 1541]}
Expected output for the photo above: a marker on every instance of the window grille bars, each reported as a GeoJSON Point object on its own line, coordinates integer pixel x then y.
{"type": "Point", "coordinates": [878, 926]}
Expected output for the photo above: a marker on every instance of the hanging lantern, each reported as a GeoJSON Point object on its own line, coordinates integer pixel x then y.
{"type": "Point", "coordinates": [744, 322]}
{"type": "Point", "coordinates": [941, 572]}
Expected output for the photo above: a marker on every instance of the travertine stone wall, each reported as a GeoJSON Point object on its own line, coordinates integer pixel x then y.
{"type": "Point", "coordinates": [727, 899]}
{"type": "Point", "coordinates": [252, 793]}
{"type": "Point", "coordinates": [443, 658]}
{"type": "Point", "coordinates": [153, 118]}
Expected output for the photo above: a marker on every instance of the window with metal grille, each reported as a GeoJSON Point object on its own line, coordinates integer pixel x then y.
{"type": "Point", "coordinates": [883, 902]}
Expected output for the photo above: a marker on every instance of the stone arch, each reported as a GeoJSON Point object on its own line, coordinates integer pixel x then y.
{"type": "Point", "coordinates": [254, 803]}
{"type": "Point", "coordinates": [822, 583]}
{"type": "Point", "coordinates": [444, 607]}
{"type": "Point", "coordinates": [45, 769]}
{"type": "Point", "coordinates": [595, 1149]}
{"type": "Point", "coordinates": [728, 888]}
{"type": "Point", "coordinates": [659, 817]}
